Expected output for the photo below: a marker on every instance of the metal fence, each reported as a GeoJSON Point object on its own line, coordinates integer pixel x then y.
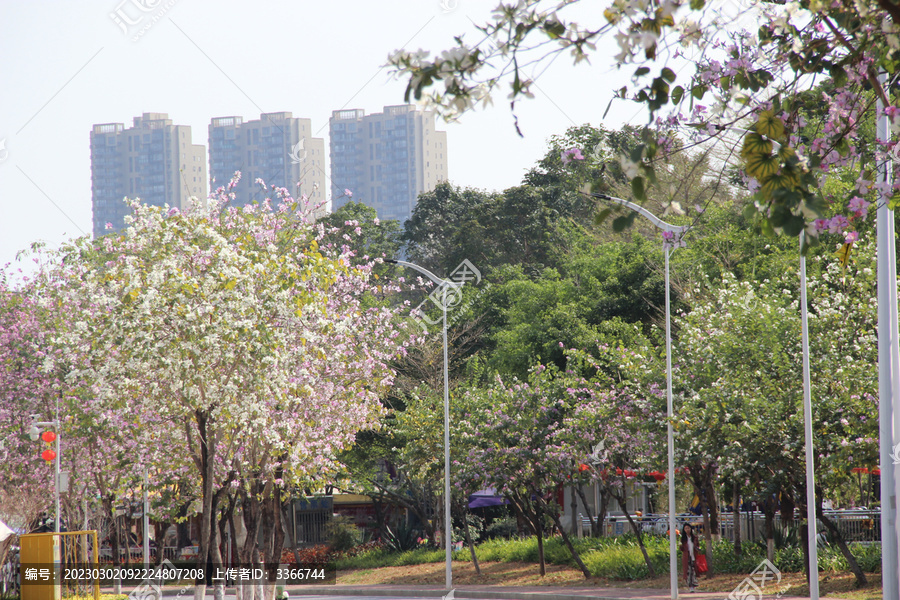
{"type": "Point", "coordinates": [854, 525]}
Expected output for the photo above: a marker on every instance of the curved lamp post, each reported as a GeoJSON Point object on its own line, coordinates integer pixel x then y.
{"type": "Point", "coordinates": [676, 233]}
{"type": "Point", "coordinates": [444, 285]}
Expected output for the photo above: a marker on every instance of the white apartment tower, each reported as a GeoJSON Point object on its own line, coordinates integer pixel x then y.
{"type": "Point", "coordinates": [386, 159]}
{"type": "Point", "coordinates": [277, 148]}
{"type": "Point", "coordinates": [153, 160]}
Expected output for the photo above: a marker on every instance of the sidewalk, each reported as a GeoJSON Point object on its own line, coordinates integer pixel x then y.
{"type": "Point", "coordinates": [513, 593]}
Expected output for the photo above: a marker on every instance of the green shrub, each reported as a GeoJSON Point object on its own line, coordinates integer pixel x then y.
{"type": "Point", "coordinates": [342, 533]}
{"type": "Point", "coordinates": [502, 528]}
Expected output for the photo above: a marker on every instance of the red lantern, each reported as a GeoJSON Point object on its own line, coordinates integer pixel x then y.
{"type": "Point", "coordinates": [876, 471]}
{"type": "Point", "coordinates": [659, 477]}
{"type": "Point", "coordinates": [583, 467]}
{"type": "Point", "coordinates": [48, 437]}
{"type": "Point", "coordinates": [48, 455]}
{"type": "Point", "coordinates": [618, 471]}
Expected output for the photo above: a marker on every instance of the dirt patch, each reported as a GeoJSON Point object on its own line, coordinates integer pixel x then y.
{"type": "Point", "coordinates": [525, 574]}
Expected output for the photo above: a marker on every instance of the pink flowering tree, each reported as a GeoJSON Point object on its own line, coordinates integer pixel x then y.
{"type": "Point", "coordinates": [245, 355]}
{"type": "Point", "coordinates": [26, 487]}
{"type": "Point", "coordinates": [535, 438]}
{"type": "Point", "coordinates": [712, 67]}
{"type": "Point", "coordinates": [518, 453]}
{"type": "Point", "coordinates": [615, 430]}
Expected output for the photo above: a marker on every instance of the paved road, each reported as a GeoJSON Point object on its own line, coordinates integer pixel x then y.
{"type": "Point", "coordinates": [475, 592]}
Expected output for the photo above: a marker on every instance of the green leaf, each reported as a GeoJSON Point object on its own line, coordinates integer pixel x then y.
{"type": "Point", "coordinates": [601, 216]}
{"type": "Point", "coordinates": [554, 29]}
{"type": "Point", "coordinates": [894, 202]}
{"type": "Point", "coordinates": [641, 71]}
{"type": "Point", "coordinates": [677, 94]}
{"type": "Point", "coordinates": [793, 225]}
{"type": "Point", "coordinates": [637, 153]}
{"type": "Point", "coordinates": [698, 91]}
{"type": "Point", "coordinates": [697, 4]}
{"type": "Point", "coordinates": [621, 223]}
{"type": "Point", "coordinates": [750, 211]}
{"type": "Point", "coordinates": [637, 188]}
{"type": "Point", "coordinates": [668, 74]}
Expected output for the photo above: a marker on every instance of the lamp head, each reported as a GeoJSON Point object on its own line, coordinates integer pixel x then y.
{"type": "Point", "coordinates": [34, 433]}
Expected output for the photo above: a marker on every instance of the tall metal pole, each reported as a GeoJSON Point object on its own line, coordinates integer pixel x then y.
{"type": "Point", "coordinates": [678, 232]}
{"type": "Point", "coordinates": [56, 471]}
{"type": "Point", "coordinates": [56, 463]}
{"type": "Point", "coordinates": [673, 531]}
{"type": "Point", "coordinates": [888, 365]}
{"type": "Point", "coordinates": [147, 523]}
{"type": "Point", "coordinates": [445, 284]}
{"type": "Point", "coordinates": [448, 524]}
{"type": "Point", "coordinates": [807, 428]}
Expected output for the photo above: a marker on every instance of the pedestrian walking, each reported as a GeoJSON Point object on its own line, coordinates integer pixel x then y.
{"type": "Point", "coordinates": [689, 551]}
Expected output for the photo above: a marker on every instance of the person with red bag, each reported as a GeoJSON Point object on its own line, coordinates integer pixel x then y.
{"type": "Point", "coordinates": [689, 552]}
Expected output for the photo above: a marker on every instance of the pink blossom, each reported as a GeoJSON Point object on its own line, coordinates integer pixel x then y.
{"type": "Point", "coordinates": [571, 154]}
{"type": "Point", "coordinates": [859, 207]}
{"type": "Point", "coordinates": [838, 223]}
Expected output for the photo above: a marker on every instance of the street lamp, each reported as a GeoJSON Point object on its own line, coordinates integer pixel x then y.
{"type": "Point", "coordinates": [444, 285]}
{"type": "Point", "coordinates": [34, 432]}
{"type": "Point", "coordinates": [676, 232]}
{"type": "Point", "coordinates": [807, 405]}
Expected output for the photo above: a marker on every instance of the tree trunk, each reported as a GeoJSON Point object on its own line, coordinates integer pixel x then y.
{"type": "Point", "coordinates": [539, 529]}
{"type": "Point", "coordinates": [770, 531]}
{"type": "Point", "coordinates": [468, 535]}
{"type": "Point", "coordinates": [587, 510]}
{"type": "Point", "coordinates": [574, 506]}
{"type": "Point", "coordinates": [736, 516]}
{"type": "Point", "coordinates": [568, 542]}
{"type": "Point", "coordinates": [249, 556]}
{"type": "Point", "coordinates": [534, 521]}
{"type": "Point", "coordinates": [207, 457]}
{"type": "Point", "coordinates": [713, 502]}
{"type": "Point", "coordinates": [804, 546]}
{"type": "Point", "coordinates": [601, 515]}
{"type": "Point", "coordinates": [637, 531]}
{"type": "Point", "coordinates": [842, 544]}
{"type": "Point", "coordinates": [707, 534]}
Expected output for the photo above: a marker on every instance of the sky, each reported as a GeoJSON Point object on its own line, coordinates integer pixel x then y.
{"type": "Point", "coordinates": [70, 65]}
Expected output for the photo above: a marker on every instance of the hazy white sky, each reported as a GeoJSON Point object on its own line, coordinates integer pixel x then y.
{"type": "Point", "coordinates": [68, 65]}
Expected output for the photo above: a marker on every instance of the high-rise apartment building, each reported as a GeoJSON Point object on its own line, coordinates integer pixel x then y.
{"type": "Point", "coordinates": [386, 159]}
{"type": "Point", "coordinates": [153, 160]}
{"type": "Point", "coordinates": [278, 148]}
